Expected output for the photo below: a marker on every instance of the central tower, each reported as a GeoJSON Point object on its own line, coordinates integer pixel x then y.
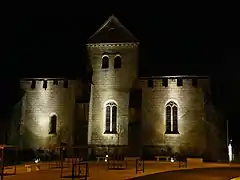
{"type": "Point", "coordinates": [113, 53]}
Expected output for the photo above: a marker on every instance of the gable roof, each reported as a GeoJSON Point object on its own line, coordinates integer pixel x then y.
{"type": "Point", "coordinates": [112, 31]}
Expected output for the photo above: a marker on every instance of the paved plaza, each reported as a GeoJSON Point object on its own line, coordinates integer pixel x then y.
{"type": "Point", "coordinates": [153, 170]}
{"type": "Point", "coordinates": [222, 173]}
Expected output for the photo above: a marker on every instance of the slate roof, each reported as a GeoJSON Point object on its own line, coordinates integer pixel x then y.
{"type": "Point", "coordinates": [112, 31]}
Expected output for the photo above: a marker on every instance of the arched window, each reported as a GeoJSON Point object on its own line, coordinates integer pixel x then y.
{"type": "Point", "coordinates": [111, 118]}
{"type": "Point", "coordinates": [171, 118]}
{"type": "Point", "coordinates": [117, 62]}
{"type": "Point", "coordinates": [105, 62]}
{"type": "Point", "coordinates": [53, 125]}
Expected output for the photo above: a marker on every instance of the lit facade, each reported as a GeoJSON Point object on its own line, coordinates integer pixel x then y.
{"type": "Point", "coordinates": [123, 108]}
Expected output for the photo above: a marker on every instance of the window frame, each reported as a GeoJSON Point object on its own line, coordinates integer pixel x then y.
{"type": "Point", "coordinates": [171, 125]}
{"type": "Point", "coordinates": [112, 129]}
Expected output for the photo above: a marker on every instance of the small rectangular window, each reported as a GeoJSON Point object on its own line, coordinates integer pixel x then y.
{"type": "Point", "coordinates": [165, 82]}
{"type": "Point", "coordinates": [33, 85]}
{"type": "Point", "coordinates": [179, 82]}
{"type": "Point", "coordinates": [65, 84]}
{"type": "Point", "coordinates": [194, 82]}
{"type": "Point", "coordinates": [45, 84]}
{"type": "Point", "coordinates": [55, 82]}
{"type": "Point", "coordinates": [150, 83]}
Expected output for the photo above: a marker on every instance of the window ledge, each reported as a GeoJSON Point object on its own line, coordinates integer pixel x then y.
{"type": "Point", "coordinates": [110, 132]}
{"type": "Point", "coordinates": [172, 132]}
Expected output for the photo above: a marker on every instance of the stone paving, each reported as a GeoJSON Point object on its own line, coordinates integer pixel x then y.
{"type": "Point", "coordinates": [216, 173]}
{"type": "Point", "coordinates": [100, 171]}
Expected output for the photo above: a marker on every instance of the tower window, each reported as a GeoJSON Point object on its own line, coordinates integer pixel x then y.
{"type": "Point", "coordinates": [171, 118]}
{"type": "Point", "coordinates": [55, 82]}
{"type": "Point", "coordinates": [65, 83]}
{"type": "Point", "coordinates": [53, 125]}
{"type": "Point", "coordinates": [194, 82]}
{"type": "Point", "coordinates": [117, 62]}
{"type": "Point", "coordinates": [33, 85]}
{"type": "Point", "coordinates": [179, 82]}
{"type": "Point", "coordinates": [105, 62]}
{"type": "Point", "coordinates": [111, 118]}
{"type": "Point", "coordinates": [165, 82]}
{"type": "Point", "coordinates": [150, 83]}
{"type": "Point", "coordinates": [45, 84]}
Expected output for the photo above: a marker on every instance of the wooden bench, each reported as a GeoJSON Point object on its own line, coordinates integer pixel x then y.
{"type": "Point", "coordinates": [167, 158]}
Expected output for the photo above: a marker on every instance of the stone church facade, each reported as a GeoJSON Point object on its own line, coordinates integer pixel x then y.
{"type": "Point", "coordinates": [123, 109]}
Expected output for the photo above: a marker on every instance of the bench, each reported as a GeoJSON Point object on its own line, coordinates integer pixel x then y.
{"type": "Point", "coordinates": [28, 167]}
{"type": "Point", "coordinates": [131, 158]}
{"type": "Point", "coordinates": [37, 167]}
{"type": "Point", "coordinates": [167, 158]}
{"type": "Point", "coordinates": [100, 158]}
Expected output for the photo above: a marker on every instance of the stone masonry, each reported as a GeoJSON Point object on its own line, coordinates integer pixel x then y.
{"type": "Point", "coordinates": [111, 84]}
{"type": "Point", "coordinates": [191, 122]}
{"type": "Point", "coordinates": [115, 85]}
{"type": "Point", "coordinates": [39, 105]}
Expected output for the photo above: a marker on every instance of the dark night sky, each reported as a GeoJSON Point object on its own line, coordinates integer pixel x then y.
{"type": "Point", "coordinates": [198, 41]}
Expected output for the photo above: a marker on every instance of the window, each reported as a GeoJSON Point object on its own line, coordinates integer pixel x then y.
{"type": "Point", "coordinates": [65, 83]}
{"type": "Point", "coordinates": [194, 82]}
{"type": "Point", "coordinates": [55, 82]}
{"type": "Point", "coordinates": [150, 83]}
{"type": "Point", "coordinates": [33, 85]}
{"type": "Point", "coordinates": [165, 82]}
{"type": "Point", "coordinates": [111, 118]}
{"type": "Point", "coordinates": [53, 125]}
{"type": "Point", "coordinates": [117, 62]}
{"type": "Point", "coordinates": [171, 118]}
{"type": "Point", "coordinates": [179, 82]}
{"type": "Point", "coordinates": [45, 84]}
{"type": "Point", "coordinates": [105, 62]}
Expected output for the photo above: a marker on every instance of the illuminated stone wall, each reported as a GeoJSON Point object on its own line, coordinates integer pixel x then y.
{"type": "Point", "coordinates": [39, 105]}
{"type": "Point", "coordinates": [191, 115]}
{"type": "Point", "coordinates": [111, 84]}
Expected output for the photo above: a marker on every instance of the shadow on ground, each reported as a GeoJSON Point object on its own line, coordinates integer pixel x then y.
{"type": "Point", "coordinates": [223, 173]}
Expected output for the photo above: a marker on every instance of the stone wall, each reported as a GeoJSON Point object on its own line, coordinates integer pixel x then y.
{"type": "Point", "coordinates": [190, 101]}
{"type": "Point", "coordinates": [38, 105]}
{"type": "Point", "coordinates": [111, 85]}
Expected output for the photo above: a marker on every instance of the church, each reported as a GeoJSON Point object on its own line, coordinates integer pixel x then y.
{"type": "Point", "coordinates": [155, 114]}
